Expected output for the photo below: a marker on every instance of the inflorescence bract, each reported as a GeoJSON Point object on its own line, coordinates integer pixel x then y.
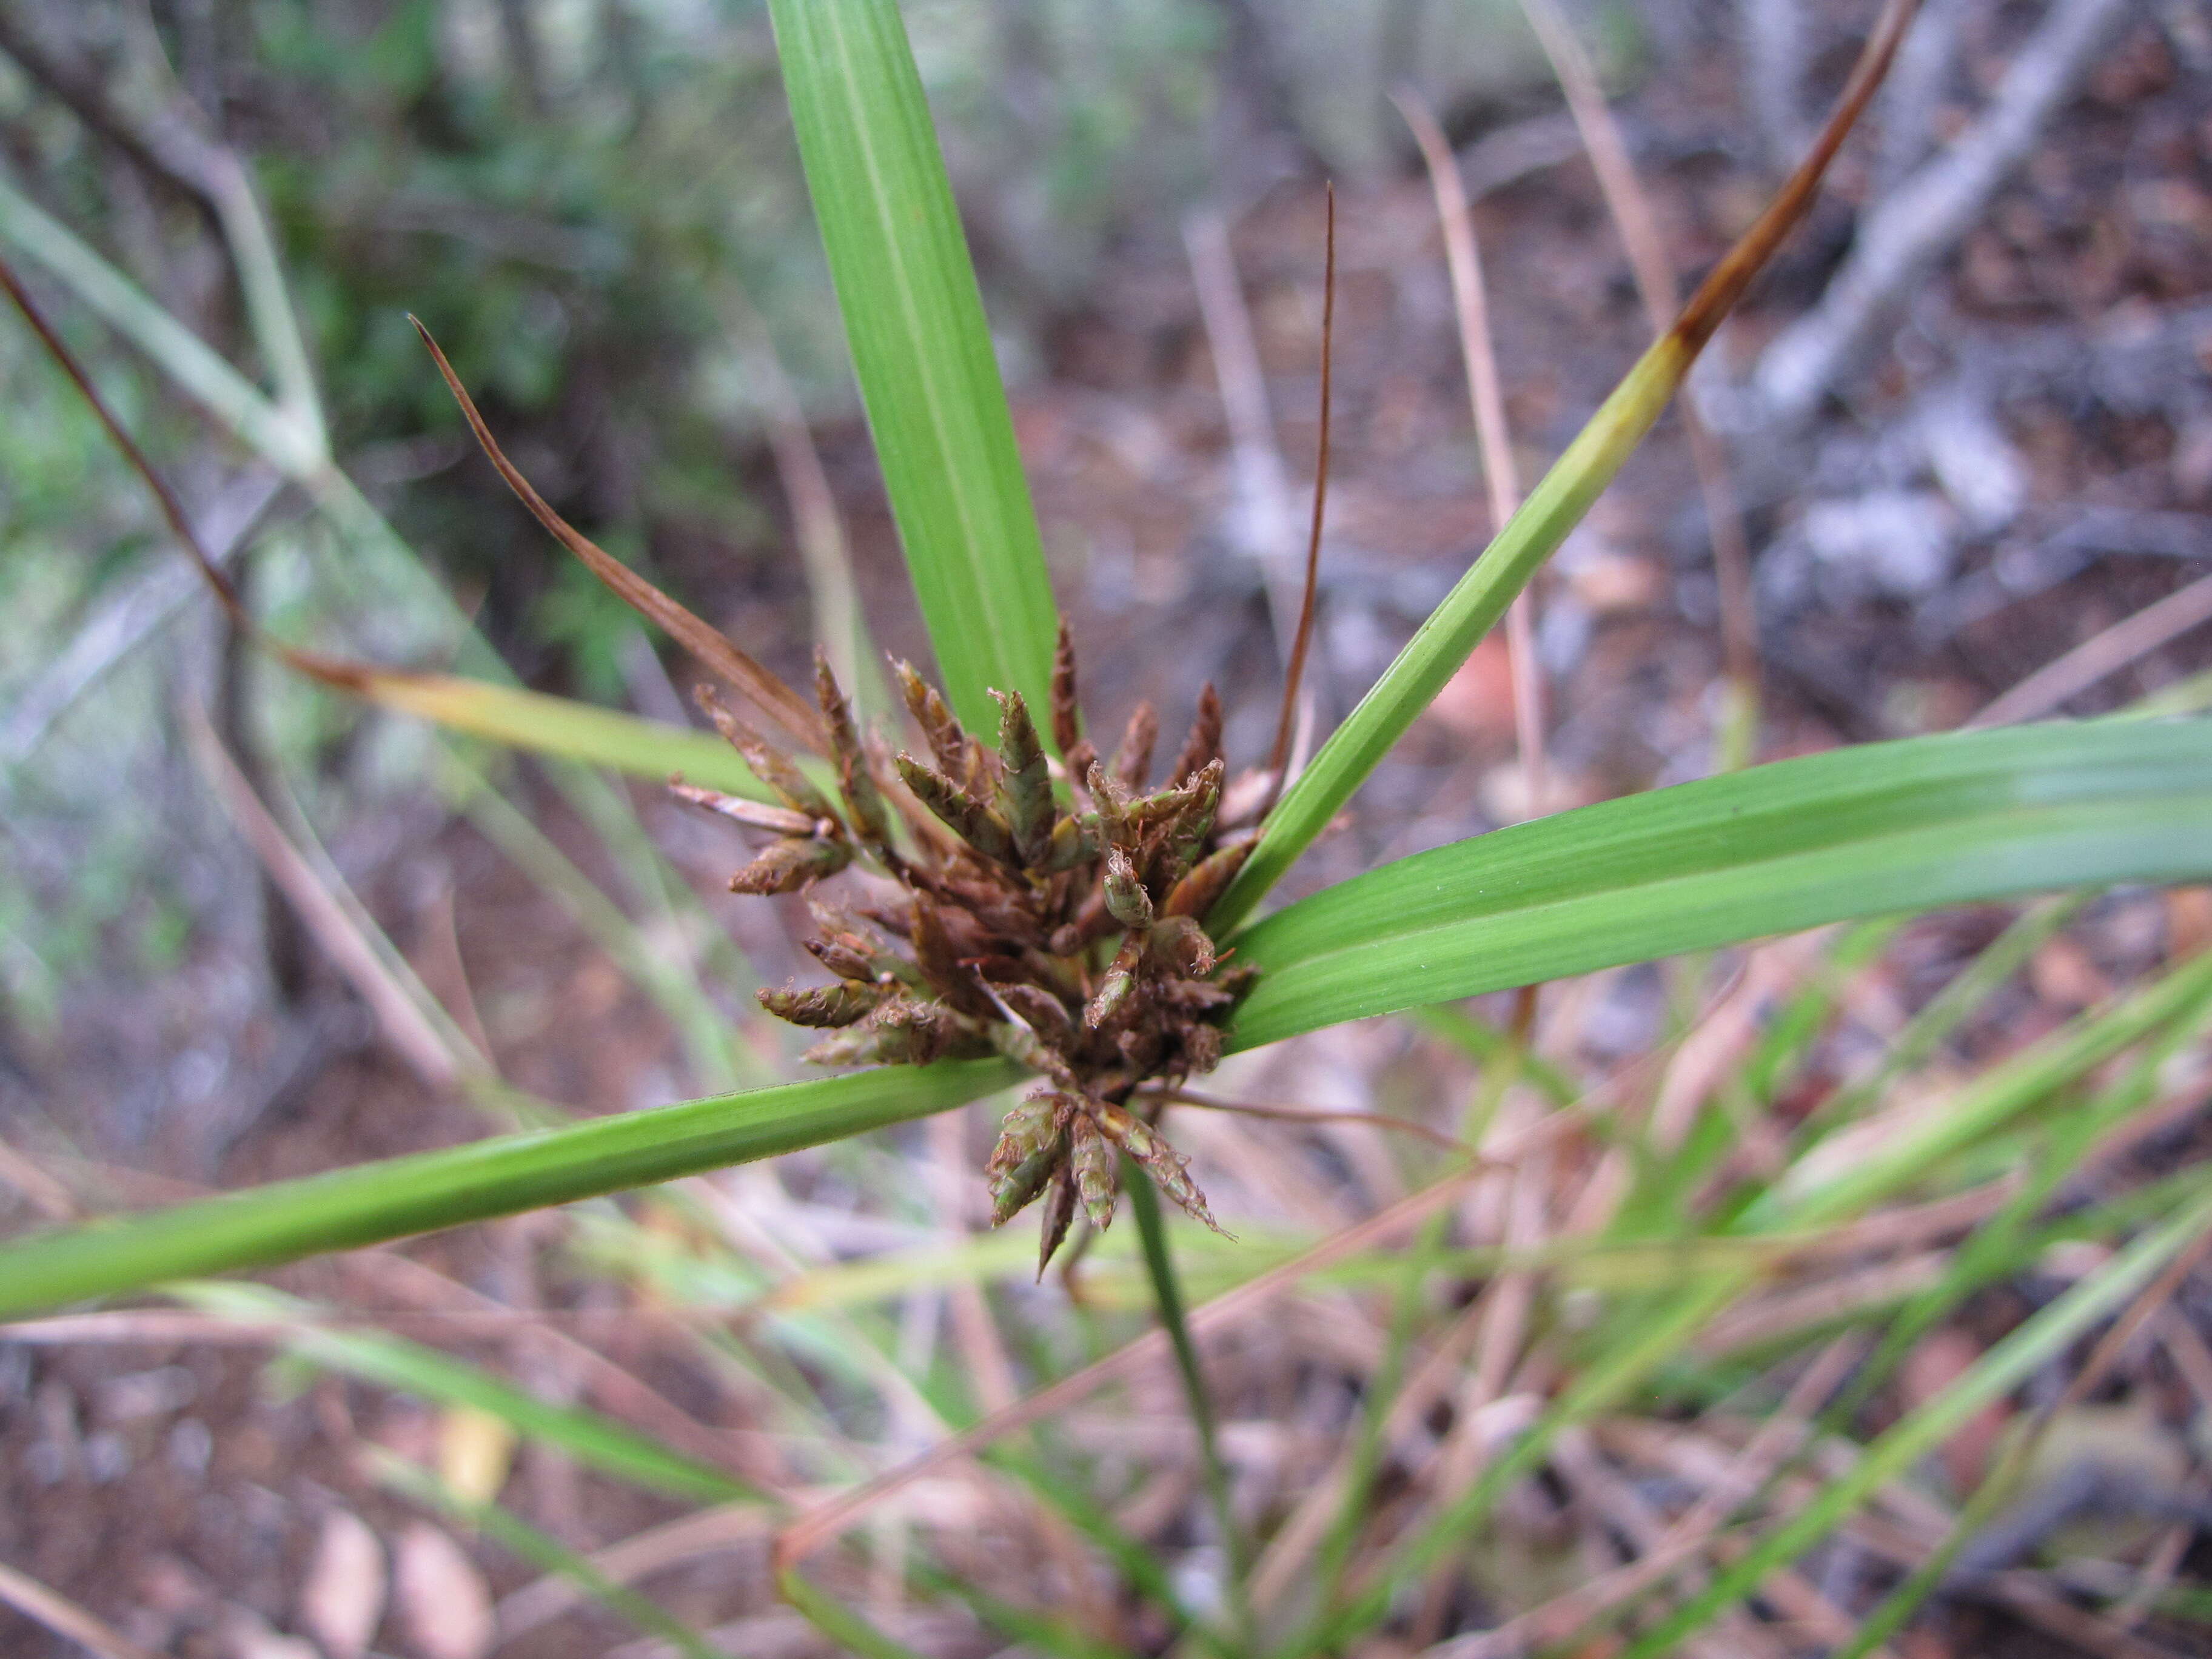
{"type": "Point", "coordinates": [1051, 911]}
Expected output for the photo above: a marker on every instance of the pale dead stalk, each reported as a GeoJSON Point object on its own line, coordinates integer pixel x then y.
{"type": "Point", "coordinates": [1260, 478]}
{"type": "Point", "coordinates": [1486, 396]}
{"type": "Point", "coordinates": [1315, 1115]}
{"type": "Point", "coordinates": [1626, 200]}
{"type": "Point", "coordinates": [64, 1618]}
{"type": "Point", "coordinates": [405, 1026]}
{"type": "Point", "coordinates": [2102, 655]}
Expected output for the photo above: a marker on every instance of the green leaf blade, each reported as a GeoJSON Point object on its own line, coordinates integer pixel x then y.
{"type": "Point", "coordinates": [1873, 831]}
{"type": "Point", "coordinates": [1451, 632]}
{"type": "Point", "coordinates": [921, 348]}
{"type": "Point", "coordinates": [426, 1192]}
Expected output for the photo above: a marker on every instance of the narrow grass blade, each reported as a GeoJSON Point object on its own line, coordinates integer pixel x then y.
{"type": "Point", "coordinates": [2037, 1343]}
{"type": "Point", "coordinates": [573, 731]}
{"type": "Point", "coordinates": [1036, 1632]}
{"type": "Point", "coordinates": [1159, 1266]}
{"type": "Point", "coordinates": [838, 1621]}
{"type": "Point", "coordinates": [393, 1362]}
{"type": "Point", "coordinates": [293, 446]}
{"type": "Point", "coordinates": [921, 348]}
{"type": "Point", "coordinates": [1555, 507]}
{"type": "Point", "coordinates": [423, 1193]}
{"type": "Point", "coordinates": [1876, 830]}
{"type": "Point", "coordinates": [1635, 1352]}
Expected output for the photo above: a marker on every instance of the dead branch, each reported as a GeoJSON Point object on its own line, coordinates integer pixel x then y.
{"type": "Point", "coordinates": [1925, 218]}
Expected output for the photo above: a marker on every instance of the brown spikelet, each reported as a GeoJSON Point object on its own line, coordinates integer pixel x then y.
{"type": "Point", "coordinates": [864, 803]}
{"type": "Point", "coordinates": [1209, 878]}
{"type": "Point", "coordinates": [1180, 946]}
{"type": "Point", "coordinates": [1059, 1215]}
{"type": "Point", "coordinates": [753, 814]}
{"type": "Point", "coordinates": [948, 743]}
{"type": "Point", "coordinates": [1066, 712]}
{"type": "Point", "coordinates": [773, 769]}
{"type": "Point", "coordinates": [1132, 760]}
{"type": "Point", "coordinates": [785, 867]}
{"type": "Point", "coordinates": [828, 1006]}
{"type": "Point", "coordinates": [1203, 746]}
{"type": "Point", "coordinates": [1040, 1010]}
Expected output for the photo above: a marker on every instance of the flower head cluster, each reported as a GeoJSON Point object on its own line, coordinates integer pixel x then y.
{"type": "Point", "coordinates": [1050, 911]}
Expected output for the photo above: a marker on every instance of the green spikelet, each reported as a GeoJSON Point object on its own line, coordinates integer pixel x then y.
{"type": "Point", "coordinates": [1093, 1161]}
{"type": "Point", "coordinates": [1183, 837]}
{"type": "Point", "coordinates": [1021, 1044]}
{"type": "Point", "coordinates": [1127, 901]}
{"type": "Point", "coordinates": [1168, 1168]}
{"type": "Point", "coordinates": [961, 813]}
{"type": "Point", "coordinates": [1115, 987]}
{"type": "Point", "coordinates": [1031, 1146]}
{"type": "Point", "coordinates": [1025, 781]}
{"type": "Point", "coordinates": [1115, 827]}
{"type": "Point", "coordinates": [1075, 841]}
{"type": "Point", "coordinates": [824, 1006]}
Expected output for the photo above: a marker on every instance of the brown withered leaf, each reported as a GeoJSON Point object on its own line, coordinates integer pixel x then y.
{"type": "Point", "coordinates": [783, 705]}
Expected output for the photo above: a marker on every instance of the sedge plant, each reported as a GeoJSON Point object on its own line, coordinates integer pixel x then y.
{"type": "Point", "coordinates": [1011, 904]}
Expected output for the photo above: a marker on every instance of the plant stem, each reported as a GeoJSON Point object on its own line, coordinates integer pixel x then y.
{"type": "Point", "coordinates": [371, 1203]}
{"type": "Point", "coordinates": [1159, 1264]}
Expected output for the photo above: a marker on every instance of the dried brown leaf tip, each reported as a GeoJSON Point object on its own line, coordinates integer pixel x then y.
{"type": "Point", "coordinates": [1053, 915]}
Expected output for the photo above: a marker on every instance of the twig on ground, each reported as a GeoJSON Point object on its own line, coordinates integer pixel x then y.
{"type": "Point", "coordinates": [1774, 71]}
{"type": "Point", "coordinates": [1927, 215]}
{"type": "Point", "coordinates": [64, 1618]}
{"type": "Point", "coordinates": [1906, 114]}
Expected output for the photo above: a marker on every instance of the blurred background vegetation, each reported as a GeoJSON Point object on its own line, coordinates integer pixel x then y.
{"type": "Point", "coordinates": [596, 206]}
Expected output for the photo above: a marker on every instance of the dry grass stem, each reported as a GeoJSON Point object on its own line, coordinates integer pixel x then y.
{"type": "Point", "coordinates": [2101, 656]}
{"type": "Point", "coordinates": [1486, 396]}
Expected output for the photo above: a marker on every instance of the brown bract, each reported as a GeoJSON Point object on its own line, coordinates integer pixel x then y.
{"type": "Point", "coordinates": [1053, 913]}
